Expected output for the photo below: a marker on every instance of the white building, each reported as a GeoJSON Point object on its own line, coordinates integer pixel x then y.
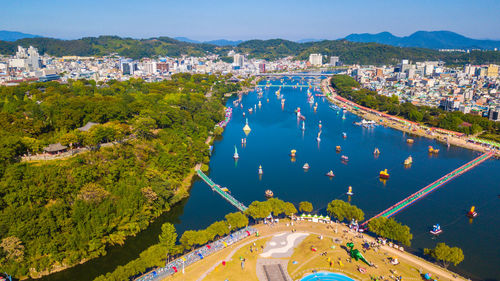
{"type": "Point", "coordinates": [239, 60]}
{"type": "Point", "coordinates": [316, 59]}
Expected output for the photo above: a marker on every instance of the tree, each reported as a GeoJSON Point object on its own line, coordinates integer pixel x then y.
{"type": "Point", "coordinates": [305, 207]}
{"type": "Point", "coordinates": [342, 210]}
{"type": "Point", "coordinates": [143, 127]}
{"type": "Point", "coordinates": [236, 220]}
{"type": "Point", "coordinates": [259, 210]}
{"type": "Point", "coordinates": [446, 254]}
{"type": "Point", "coordinates": [168, 235]}
{"type": "Point", "coordinates": [13, 248]}
{"type": "Point", "coordinates": [289, 209]}
{"type": "Point", "coordinates": [391, 229]}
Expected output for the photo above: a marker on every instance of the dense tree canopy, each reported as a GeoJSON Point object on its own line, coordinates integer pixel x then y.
{"type": "Point", "coordinates": [342, 210]}
{"type": "Point", "coordinates": [446, 254]}
{"type": "Point", "coordinates": [391, 229]}
{"type": "Point", "coordinates": [63, 211]}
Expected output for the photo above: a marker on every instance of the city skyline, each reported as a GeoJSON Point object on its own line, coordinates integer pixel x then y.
{"type": "Point", "coordinates": [293, 20]}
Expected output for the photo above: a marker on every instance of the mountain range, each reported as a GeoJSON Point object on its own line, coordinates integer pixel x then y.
{"type": "Point", "coordinates": [426, 39]}
{"type": "Point", "coordinates": [217, 42]}
{"type": "Point", "coordinates": [6, 35]}
{"type": "Point", "coordinates": [349, 52]}
{"type": "Point", "coordinates": [419, 39]}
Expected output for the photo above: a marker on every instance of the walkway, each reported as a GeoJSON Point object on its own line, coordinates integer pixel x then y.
{"type": "Point", "coordinates": [215, 187]}
{"type": "Point", "coordinates": [396, 208]}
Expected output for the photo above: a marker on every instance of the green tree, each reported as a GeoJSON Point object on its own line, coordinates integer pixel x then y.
{"type": "Point", "coordinates": [391, 229]}
{"type": "Point", "coordinates": [289, 209]}
{"type": "Point", "coordinates": [259, 210]}
{"type": "Point", "coordinates": [342, 210]}
{"type": "Point", "coordinates": [446, 254]}
{"type": "Point", "coordinates": [236, 220]}
{"type": "Point", "coordinates": [143, 127]}
{"type": "Point", "coordinates": [305, 207]}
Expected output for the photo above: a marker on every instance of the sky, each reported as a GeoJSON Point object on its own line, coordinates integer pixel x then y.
{"type": "Point", "coordinates": [256, 19]}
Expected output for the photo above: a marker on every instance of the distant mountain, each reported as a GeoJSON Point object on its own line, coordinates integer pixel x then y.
{"type": "Point", "coordinates": [308, 40]}
{"type": "Point", "coordinates": [349, 52]}
{"type": "Point", "coordinates": [6, 35]}
{"type": "Point", "coordinates": [426, 39]}
{"type": "Point", "coordinates": [224, 42]}
{"type": "Point", "coordinates": [185, 39]}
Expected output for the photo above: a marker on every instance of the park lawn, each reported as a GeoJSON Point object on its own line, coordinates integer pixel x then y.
{"type": "Point", "coordinates": [233, 271]}
{"type": "Point", "coordinates": [309, 261]}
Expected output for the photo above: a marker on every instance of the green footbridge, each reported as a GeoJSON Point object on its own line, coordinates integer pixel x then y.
{"type": "Point", "coordinates": [215, 187]}
{"type": "Point", "coordinates": [398, 207]}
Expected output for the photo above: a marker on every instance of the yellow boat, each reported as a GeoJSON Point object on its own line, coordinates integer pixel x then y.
{"type": "Point", "coordinates": [409, 140]}
{"type": "Point", "coordinates": [384, 174]}
{"type": "Point", "coordinates": [338, 148]}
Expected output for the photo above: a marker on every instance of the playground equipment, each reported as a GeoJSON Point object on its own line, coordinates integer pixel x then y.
{"type": "Point", "coordinates": [356, 254]}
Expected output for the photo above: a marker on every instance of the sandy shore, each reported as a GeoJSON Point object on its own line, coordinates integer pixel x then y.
{"type": "Point", "coordinates": [417, 131]}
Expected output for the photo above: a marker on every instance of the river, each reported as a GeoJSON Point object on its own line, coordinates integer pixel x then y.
{"type": "Point", "coordinates": [275, 131]}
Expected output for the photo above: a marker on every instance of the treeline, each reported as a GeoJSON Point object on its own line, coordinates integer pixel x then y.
{"type": "Point", "coordinates": [349, 52]}
{"type": "Point", "coordinates": [350, 89]}
{"type": "Point", "coordinates": [158, 254]}
{"type": "Point", "coordinates": [167, 247]}
{"type": "Point", "coordinates": [61, 212]}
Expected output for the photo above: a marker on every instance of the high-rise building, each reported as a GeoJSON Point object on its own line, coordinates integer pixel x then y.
{"type": "Point", "coordinates": [494, 114]}
{"type": "Point", "coordinates": [162, 66]}
{"type": "Point", "coordinates": [492, 70]}
{"type": "Point", "coordinates": [128, 66]}
{"type": "Point", "coordinates": [239, 60]}
{"type": "Point", "coordinates": [262, 67]}
{"type": "Point", "coordinates": [316, 59]}
{"type": "Point", "coordinates": [28, 59]}
{"type": "Point", "coordinates": [334, 60]}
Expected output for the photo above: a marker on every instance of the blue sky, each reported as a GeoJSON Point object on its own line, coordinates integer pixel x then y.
{"type": "Point", "coordinates": [234, 19]}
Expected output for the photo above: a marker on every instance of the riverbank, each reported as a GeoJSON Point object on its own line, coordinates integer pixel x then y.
{"type": "Point", "coordinates": [303, 260]}
{"type": "Point", "coordinates": [416, 130]}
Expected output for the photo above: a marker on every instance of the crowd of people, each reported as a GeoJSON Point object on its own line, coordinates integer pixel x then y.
{"type": "Point", "coordinates": [196, 255]}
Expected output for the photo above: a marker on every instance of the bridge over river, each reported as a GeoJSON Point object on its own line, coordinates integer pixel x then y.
{"type": "Point", "coordinates": [398, 207]}
{"type": "Point", "coordinates": [215, 187]}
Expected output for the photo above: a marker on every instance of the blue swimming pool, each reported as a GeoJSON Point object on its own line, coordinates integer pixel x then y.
{"type": "Point", "coordinates": [326, 276]}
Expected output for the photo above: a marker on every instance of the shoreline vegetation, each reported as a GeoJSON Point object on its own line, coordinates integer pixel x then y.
{"type": "Point", "coordinates": [194, 240]}
{"type": "Point", "coordinates": [59, 213]}
{"type": "Point", "coordinates": [396, 122]}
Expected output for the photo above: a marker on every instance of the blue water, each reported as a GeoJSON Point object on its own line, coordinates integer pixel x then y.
{"type": "Point", "coordinates": [326, 276]}
{"type": "Point", "coordinates": [275, 131]}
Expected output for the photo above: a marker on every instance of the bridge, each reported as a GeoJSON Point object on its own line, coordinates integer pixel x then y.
{"type": "Point", "coordinates": [286, 86]}
{"type": "Point", "coordinates": [295, 74]}
{"type": "Point", "coordinates": [405, 203]}
{"type": "Point", "coordinates": [225, 195]}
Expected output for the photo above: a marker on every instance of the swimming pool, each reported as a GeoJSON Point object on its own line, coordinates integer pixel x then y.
{"type": "Point", "coordinates": [326, 276]}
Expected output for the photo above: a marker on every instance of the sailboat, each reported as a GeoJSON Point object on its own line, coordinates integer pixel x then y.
{"type": "Point", "coordinates": [343, 115]}
{"type": "Point", "coordinates": [318, 138]}
{"type": "Point", "coordinates": [303, 125]}
{"type": "Point", "coordinates": [235, 155]}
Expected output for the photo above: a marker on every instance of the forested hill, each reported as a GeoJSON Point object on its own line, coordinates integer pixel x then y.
{"type": "Point", "coordinates": [60, 212]}
{"type": "Point", "coordinates": [349, 52]}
